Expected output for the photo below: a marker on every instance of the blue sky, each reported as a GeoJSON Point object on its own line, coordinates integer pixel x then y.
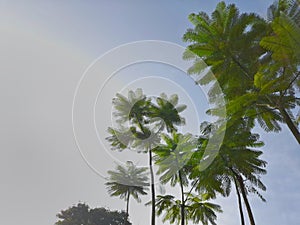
{"type": "Point", "coordinates": [45, 48]}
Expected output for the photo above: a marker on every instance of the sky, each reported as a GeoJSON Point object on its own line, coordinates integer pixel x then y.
{"type": "Point", "coordinates": [46, 48]}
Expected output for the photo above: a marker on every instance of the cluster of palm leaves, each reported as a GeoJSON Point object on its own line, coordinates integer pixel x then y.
{"type": "Point", "coordinates": [128, 181]}
{"type": "Point", "coordinates": [178, 157]}
{"type": "Point", "coordinates": [256, 62]}
{"type": "Point", "coordinates": [140, 121]}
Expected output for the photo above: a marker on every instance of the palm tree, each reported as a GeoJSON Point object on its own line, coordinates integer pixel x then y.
{"type": "Point", "coordinates": [128, 181]}
{"type": "Point", "coordinates": [197, 209]}
{"type": "Point", "coordinates": [146, 120]}
{"type": "Point", "coordinates": [132, 112]}
{"type": "Point", "coordinates": [171, 157]}
{"type": "Point", "coordinates": [236, 162]}
{"type": "Point", "coordinates": [228, 43]}
{"type": "Point", "coordinates": [273, 97]}
{"type": "Point", "coordinates": [256, 63]}
{"type": "Point", "coordinates": [167, 111]}
{"type": "Point", "coordinates": [282, 69]}
{"type": "Point", "coordinates": [132, 117]}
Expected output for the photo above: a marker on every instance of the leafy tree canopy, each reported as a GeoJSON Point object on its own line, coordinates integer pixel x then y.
{"type": "Point", "coordinates": [256, 62]}
{"type": "Point", "coordinates": [82, 214]}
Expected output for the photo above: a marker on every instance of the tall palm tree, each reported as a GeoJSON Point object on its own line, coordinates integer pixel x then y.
{"type": "Point", "coordinates": [171, 158]}
{"type": "Point", "coordinates": [237, 162]}
{"type": "Point", "coordinates": [128, 181]}
{"type": "Point", "coordinates": [256, 63]}
{"type": "Point", "coordinates": [282, 69]}
{"type": "Point", "coordinates": [146, 120]}
{"type": "Point", "coordinates": [273, 97]}
{"type": "Point", "coordinates": [131, 114]}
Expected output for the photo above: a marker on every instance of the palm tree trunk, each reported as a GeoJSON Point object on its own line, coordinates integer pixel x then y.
{"type": "Point", "coordinates": [290, 124]}
{"type": "Point", "coordinates": [152, 189]}
{"type": "Point", "coordinates": [239, 202]}
{"type": "Point", "coordinates": [127, 208]}
{"type": "Point", "coordinates": [248, 207]}
{"type": "Point", "coordinates": [182, 199]}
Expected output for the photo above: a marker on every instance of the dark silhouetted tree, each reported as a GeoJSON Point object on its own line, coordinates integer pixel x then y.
{"type": "Point", "coordinates": [81, 214]}
{"type": "Point", "coordinates": [128, 181]}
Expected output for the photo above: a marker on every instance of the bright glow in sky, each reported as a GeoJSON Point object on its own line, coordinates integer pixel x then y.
{"type": "Point", "coordinates": [45, 48]}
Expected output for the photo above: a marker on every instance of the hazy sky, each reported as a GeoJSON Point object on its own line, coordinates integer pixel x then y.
{"type": "Point", "coordinates": [45, 48]}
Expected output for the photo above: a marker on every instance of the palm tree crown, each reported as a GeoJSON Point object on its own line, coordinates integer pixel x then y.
{"type": "Point", "coordinates": [128, 181]}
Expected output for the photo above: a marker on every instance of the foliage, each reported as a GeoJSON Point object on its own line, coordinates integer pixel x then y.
{"type": "Point", "coordinates": [200, 210]}
{"type": "Point", "coordinates": [140, 120]}
{"type": "Point", "coordinates": [255, 62]}
{"type": "Point", "coordinates": [227, 42]}
{"type": "Point", "coordinates": [172, 156]}
{"type": "Point", "coordinates": [128, 181]}
{"type": "Point", "coordinates": [237, 162]}
{"type": "Point", "coordinates": [197, 209]}
{"type": "Point", "coordinates": [83, 215]}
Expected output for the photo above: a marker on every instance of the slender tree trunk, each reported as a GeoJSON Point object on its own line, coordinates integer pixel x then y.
{"type": "Point", "coordinates": [152, 188]}
{"type": "Point", "coordinates": [127, 208]}
{"type": "Point", "coordinates": [239, 202]}
{"type": "Point", "coordinates": [290, 124]}
{"type": "Point", "coordinates": [248, 207]}
{"type": "Point", "coordinates": [182, 199]}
